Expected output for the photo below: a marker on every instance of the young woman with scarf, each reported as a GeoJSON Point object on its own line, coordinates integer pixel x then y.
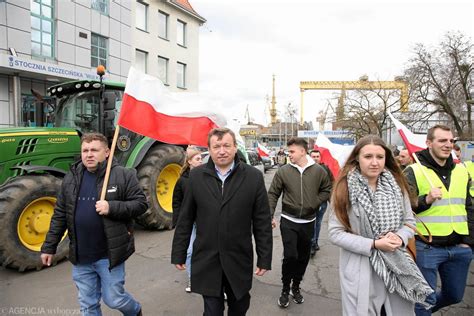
{"type": "Point", "coordinates": [369, 208]}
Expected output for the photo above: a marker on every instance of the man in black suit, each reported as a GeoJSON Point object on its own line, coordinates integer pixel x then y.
{"type": "Point", "coordinates": [228, 201]}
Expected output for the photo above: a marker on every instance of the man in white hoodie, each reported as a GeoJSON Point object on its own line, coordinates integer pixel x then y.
{"type": "Point", "coordinates": [305, 185]}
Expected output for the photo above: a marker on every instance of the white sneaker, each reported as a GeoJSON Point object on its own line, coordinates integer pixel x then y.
{"type": "Point", "coordinates": [188, 287]}
{"type": "Point", "coordinates": [225, 297]}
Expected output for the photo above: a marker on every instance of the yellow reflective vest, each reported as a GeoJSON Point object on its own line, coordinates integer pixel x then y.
{"type": "Point", "coordinates": [470, 168]}
{"type": "Point", "coordinates": [448, 214]}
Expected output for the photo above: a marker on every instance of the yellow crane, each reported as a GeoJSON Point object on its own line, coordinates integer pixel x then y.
{"type": "Point", "coordinates": [362, 84]}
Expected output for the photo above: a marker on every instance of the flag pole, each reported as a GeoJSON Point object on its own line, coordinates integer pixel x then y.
{"type": "Point", "coordinates": [400, 127]}
{"type": "Point", "coordinates": [101, 73]}
{"type": "Point", "coordinates": [422, 169]}
{"type": "Point", "coordinates": [109, 163]}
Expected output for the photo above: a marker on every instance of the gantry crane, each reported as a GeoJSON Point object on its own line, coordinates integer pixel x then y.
{"type": "Point", "coordinates": [361, 84]}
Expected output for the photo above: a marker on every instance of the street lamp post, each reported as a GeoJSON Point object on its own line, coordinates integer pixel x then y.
{"type": "Point", "coordinates": [279, 134]}
{"type": "Point", "coordinates": [291, 120]}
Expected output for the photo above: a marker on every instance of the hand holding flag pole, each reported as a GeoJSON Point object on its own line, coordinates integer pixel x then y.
{"type": "Point", "coordinates": [109, 164]}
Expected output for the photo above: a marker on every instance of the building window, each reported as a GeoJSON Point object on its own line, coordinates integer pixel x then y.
{"type": "Point", "coordinates": [181, 75]}
{"type": "Point", "coordinates": [99, 50]}
{"type": "Point", "coordinates": [100, 5]}
{"type": "Point", "coordinates": [140, 60]}
{"type": "Point", "coordinates": [141, 18]}
{"type": "Point", "coordinates": [42, 34]}
{"type": "Point", "coordinates": [163, 24]}
{"type": "Point", "coordinates": [181, 33]}
{"type": "Point", "coordinates": [163, 69]}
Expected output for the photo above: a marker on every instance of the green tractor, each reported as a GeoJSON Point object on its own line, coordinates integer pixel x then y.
{"type": "Point", "coordinates": [33, 162]}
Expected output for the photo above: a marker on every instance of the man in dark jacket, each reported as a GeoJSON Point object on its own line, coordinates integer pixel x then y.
{"type": "Point", "coordinates": [305, 185]}
{"type": "Point", "coordinates": [100, 232]}
{"type": "Point", "coordinates": [404, 159]}
{"type": "Point", "coordinates": [444, 205]}
{"type": "Point", "coordinates": [228, 201]}
{"type": "Point", "coordinates": [316, 156]}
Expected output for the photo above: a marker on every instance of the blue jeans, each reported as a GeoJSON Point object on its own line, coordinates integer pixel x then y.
{"type": "Point", "coordinates": [452, 264]}
{"type": "Point", "coordinates": [94, 281]}
{"type": "Point", "coordinates": [317, 223]}
{"type": "Point", "coordinates": [189, 253]}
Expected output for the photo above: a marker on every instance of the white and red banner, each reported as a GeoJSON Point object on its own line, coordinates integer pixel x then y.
{"type": "Point", "coordinates": [150, 110]}
{"type": "Point", "coordinates": [332, 155]}
{"type": "Point", "coordinates": [262, 150]}
{"type": "Point", "coordinates": [413, 142]}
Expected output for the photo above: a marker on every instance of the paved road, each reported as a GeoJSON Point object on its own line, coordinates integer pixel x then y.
{"type": "Point", "coordinates": [160, 287]}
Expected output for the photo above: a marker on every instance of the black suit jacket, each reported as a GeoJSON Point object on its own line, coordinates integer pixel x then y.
{"type": "Point", "coordinates": [226, 216]}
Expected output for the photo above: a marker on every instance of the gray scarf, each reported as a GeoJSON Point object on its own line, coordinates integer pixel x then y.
{"type": "Point", "coordinates": [382, 211]}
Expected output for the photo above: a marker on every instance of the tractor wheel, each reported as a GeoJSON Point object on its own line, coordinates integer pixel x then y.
{"type": "Point", "coordinates": [26, 207]}
{"type": "Point", "coordinates": [158, 173]}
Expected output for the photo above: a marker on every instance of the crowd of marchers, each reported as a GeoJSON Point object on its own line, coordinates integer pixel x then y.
{"type": "Point", "coordinates": [379, 206]}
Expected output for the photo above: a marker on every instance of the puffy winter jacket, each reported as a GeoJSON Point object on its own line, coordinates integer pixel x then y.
{"type": "Point", "coordinates": [126, 201]}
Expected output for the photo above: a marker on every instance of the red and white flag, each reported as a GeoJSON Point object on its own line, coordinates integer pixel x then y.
{"type": "Point", "coordinates": [332, 155]}
{"type": "Point", "coordinates": [413, 142]}
{"type": "Point", "coordinates": [150, 110]}
{"type": "Point", "coordinates": [262, 150]}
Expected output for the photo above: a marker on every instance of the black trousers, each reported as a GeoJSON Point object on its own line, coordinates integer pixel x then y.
{"type": "Point", "coordinates": [214, 306]}
{"type": "Point", "coordinates": [296, 250]}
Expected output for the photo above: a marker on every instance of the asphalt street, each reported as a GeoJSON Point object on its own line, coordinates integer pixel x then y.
{"type": "Point", "coordinates": [160, 287]}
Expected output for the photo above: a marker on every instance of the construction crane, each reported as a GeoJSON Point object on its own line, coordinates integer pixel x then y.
{"type": "Point", "coordinates": [247, 115]}
{"type": "Point", "coordinates": [322, 115]}
{"type": "Point", "coordinates": [362, 84]}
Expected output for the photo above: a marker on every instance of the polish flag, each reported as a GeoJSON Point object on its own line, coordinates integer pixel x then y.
{"type": "Point", "coordinates": [332, 155]}
{"type": "Point", "coordinates": [149, 109]}
{"type": "Point", "coordinates": [262, 150]}
{"type": "Point", "coordinates": [413, 142]}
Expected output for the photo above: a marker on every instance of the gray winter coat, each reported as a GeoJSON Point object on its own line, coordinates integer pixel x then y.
{"type": "Point", "coordinates": [361, 289]}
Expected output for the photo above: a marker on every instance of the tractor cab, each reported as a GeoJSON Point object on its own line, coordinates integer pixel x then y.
{"type": "Point", "coordinates": [78, 105]}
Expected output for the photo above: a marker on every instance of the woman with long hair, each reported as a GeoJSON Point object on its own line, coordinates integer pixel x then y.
{"type": "Point", "coordinates": [370, 206]}
{"type": "Point", "coordinates": [193, 159]}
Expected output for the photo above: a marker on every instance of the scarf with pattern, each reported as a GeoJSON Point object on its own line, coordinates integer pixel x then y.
{"type": "Point", "coordinates": [382, 211]}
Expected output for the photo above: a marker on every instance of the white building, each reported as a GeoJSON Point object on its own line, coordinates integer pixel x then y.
{"type": "Point", "coordinates": [44, 42]}
{"type": "Point", "coordinates": [166, 42]}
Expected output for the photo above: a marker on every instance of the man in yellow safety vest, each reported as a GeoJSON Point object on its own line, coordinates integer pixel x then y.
{"type": "Point", "coordinates": [444, 205]}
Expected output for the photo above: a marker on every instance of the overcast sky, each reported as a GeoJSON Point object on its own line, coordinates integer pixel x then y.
{"type": "Point", "coordinates": [245, 42]}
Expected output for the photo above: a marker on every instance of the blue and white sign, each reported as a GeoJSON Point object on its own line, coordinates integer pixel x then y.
{"type": "Point", "coordinates": [29, 65]}
{"type": "Point", "coordinates": [315, 133]}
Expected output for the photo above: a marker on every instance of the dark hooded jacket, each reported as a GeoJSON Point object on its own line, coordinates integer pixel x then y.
{"type": "Point", "coordinates": [178, 195]}
{"type": "Point", "coordinates": [444, 174]}
{"type": "Point", "coordinates": [126, 201]}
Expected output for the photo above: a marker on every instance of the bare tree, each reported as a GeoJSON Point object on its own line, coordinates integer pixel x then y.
{"type": "Point", "coordinates": [441, 79]}
{"type": "Point", "coordinates": [366, 111]}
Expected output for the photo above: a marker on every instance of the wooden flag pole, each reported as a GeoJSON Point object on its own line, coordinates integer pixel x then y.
{"type": "Point", "coordinates": [109, 164]}
{"type": "Point", "coordinates": [422, 170]}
